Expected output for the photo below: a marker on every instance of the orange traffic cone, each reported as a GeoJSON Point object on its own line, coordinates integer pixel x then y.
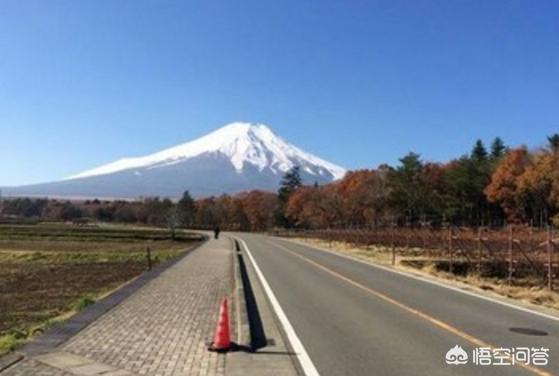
{"type": "Point", "coordinates": [222, 340]}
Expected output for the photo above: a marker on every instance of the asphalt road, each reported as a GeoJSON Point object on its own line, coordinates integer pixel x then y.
{"type": "Point", "coordinates": [356, 319]}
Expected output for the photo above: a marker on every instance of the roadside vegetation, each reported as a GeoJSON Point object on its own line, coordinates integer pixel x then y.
{"type": "Point", "coordinates": [50, 271]}
{"type": "Point", "coordinates": [526, 288]}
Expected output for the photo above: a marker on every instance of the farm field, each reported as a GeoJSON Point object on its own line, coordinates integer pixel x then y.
{"type": "Point", "coordinates": [49, 271]}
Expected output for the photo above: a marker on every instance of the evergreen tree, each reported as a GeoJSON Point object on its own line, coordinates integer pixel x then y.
{"type": "Point", "coordinates": [289, 184]}
{"type": "Point", "coordinates": [185, 209]}
{"type": "Point", "coordinates": [466, 178]}
{"type": "Point", "coordinates": [479, 153]}
{"type": "Point", "coordinates": [498, 148]}
{"type": "Point", "coordinates": [553, 143]}
{"type": "Point", "coordinates": [70, 211]}
{"type": "Point", "coordinates": [407, 196]}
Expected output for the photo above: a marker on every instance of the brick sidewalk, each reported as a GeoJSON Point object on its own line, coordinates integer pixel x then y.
{"type": "Point", "coordinates": [161, 329]}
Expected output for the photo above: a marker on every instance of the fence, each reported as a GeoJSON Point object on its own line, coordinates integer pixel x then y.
{"type": "Point", "coordinates": [512, 253]}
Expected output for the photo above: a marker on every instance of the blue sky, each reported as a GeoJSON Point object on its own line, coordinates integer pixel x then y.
{"type": "Point", "coordinates": [359, 83]}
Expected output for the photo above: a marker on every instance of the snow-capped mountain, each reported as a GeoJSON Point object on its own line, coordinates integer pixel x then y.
{"type": "Point", "coordinates": [234, 158]}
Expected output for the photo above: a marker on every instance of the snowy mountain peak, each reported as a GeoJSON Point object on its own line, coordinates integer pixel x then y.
{"type": "Point", "coordinates": [243, 144]}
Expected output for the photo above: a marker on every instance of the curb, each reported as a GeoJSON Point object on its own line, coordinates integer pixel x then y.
{"type": "Point", "coordinates": [51, 339]}
{"type": "Point", "coordinates": [258, 303]}
{"type": "Point", "coordinates": [244, 337]}
{"type": "Point", "coordinates": [9, 359]}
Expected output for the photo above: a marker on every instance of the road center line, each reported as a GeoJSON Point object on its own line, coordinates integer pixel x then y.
{"type": "Point", "coordinates": [436, 322]}
{"type": "Point", "coordinates": [304, 360]}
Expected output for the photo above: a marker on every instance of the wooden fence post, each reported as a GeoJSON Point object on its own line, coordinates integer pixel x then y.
{"type": "Point", "coordinates": [510, 260]}
{"type": "Point", "coordinates": [450, 248]}
{"type": "Point", "coordinates": [407, 226]}
{"type": "Point", "coordinates": [549, 258]}
{"type": "Point", "coordinates": [148, 256]}
{"type": "Point", "coordinates": [393, 244]}
{"type": "Point", "coordinates": [479, 251]}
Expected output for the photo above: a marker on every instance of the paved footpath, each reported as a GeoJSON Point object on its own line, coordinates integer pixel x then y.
{"type": "Point", "coordinates": [162, 329]}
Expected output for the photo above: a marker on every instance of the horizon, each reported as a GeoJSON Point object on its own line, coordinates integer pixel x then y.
{"type": "Point", "coordinates": [487, 144]}
{"type": "Point", "coordinates": [85, 84]}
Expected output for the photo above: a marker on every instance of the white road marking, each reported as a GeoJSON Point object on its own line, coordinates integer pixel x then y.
{"type": "Point", "coordinates": [304, 359]}
{"type": "Point", "coordinates": [427, 280]}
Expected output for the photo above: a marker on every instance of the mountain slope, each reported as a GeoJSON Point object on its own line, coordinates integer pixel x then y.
{"type": "Point", "coordinates": [236, 157]}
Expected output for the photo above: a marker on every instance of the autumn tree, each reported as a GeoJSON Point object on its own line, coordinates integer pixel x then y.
{"type": "Point", "coordinates": [259, 207]}
{"type": "Point", "coordinates": [330, 203]}
{"type": "Point", "coordinates": [317, 207]}
{"type": "Point", "coordinates": [539, 182]}
{"type": "Point", "coordinates": [503, 188]}
{"type": "Point", "coordinates": [235, 214]}
{"type": "Point", "coordinates": [364, 196]}
{"type": "Point", "coordinates": [535, 187]}
{"type": "Point", "coordinates": [554, 195]}
{"type": "Point", "coordinates": [303, 207]}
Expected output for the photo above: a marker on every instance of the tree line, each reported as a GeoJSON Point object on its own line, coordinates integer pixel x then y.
{"type": "Point", "coordinates": [248, 211]}
{"type": "Point", "coordinates": [482, 188]}
{"type": "Point", "coordinates": [485, 187]}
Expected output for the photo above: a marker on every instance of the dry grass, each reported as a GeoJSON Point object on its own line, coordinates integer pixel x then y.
{"type": "Point", "coordinates": [57, 252]}
{"type": "Point", "coordinates": [48, 272]}
{"type": "Point", "coordinates": [527, 290]}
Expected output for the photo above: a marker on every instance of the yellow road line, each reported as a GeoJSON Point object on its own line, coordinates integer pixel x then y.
{"type": "Point", "coordinates": [436, 322]}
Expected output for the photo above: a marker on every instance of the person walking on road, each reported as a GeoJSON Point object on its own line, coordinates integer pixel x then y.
{"type": "Point", "coordinates": [217, 230]}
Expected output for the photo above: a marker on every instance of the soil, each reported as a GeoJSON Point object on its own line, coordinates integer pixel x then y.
{"type": "Point", "coordinates": [34, 292]}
